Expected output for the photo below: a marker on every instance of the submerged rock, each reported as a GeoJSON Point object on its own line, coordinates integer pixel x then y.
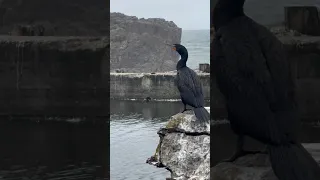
{"type": "Point", "coordinates": [138, 45]}
{"type": "Point", "coordinates": [184, 148]}
{"type": "Point", "coordinates": [252, 167]}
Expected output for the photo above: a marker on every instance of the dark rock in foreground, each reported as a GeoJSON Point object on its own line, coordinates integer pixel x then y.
{"type": "Point", "coordinates": [252, 167]}
{"type": "Point", "coordinates": [138, 45]}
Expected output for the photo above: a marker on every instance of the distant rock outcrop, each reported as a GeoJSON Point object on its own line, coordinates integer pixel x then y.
{"type": "Point", "coordinates": [138, 45]}
{"type": "Point", "coordinates": [184, 148]}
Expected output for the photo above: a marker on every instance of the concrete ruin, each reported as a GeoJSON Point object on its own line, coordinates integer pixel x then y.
{"type": "Point", "coordinates": [156, 86]}
{"type": "Point", "coordinates": [54, 75]}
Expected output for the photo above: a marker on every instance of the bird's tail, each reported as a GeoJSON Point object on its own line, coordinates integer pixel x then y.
{"type": "Point", "coordinates": [293, 162]}
{"type": "Point", "coordinates": [202, 114]}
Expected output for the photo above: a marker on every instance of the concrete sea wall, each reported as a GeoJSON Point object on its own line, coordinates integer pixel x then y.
{"type": "Point", "coordinates": [54, 75]}
{"type": "Point", "coordinates": [156, 86]}
{"type": "Point", "coordinates": [303, 54]}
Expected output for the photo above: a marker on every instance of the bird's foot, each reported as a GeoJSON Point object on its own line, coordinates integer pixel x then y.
{"type": "Point", "coordinates": [186, 110]}
{"type": "Point", "coordinates": [239, 154]}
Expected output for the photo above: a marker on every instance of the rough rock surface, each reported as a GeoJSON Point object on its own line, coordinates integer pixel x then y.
{"type": "Point", "coordinates": [184, 148]}
{"type": "Point", "coordinates": [137, 45]}
{"type": "Point", "coordinates": [252, 167]}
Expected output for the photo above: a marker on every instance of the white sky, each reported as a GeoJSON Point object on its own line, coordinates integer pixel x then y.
{"type": "Point", "coordinates": [187, 14]}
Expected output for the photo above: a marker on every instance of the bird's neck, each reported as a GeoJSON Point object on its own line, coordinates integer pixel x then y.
{"type": "Point", "coordinates": [182, 62]}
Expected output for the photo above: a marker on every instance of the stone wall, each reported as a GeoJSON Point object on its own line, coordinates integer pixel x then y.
{"type": "Point", "coordinates": [155, 86]}
{"type": "Point", "coordinates": [138, 45]}
{"type": "Point", "coordinates": [54, 75]}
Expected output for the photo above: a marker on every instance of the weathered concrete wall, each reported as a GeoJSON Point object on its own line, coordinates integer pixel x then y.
{"type": "Point", "coordinates": [53, 75]}
{"type": "Point", "coordinates": [59, 17]}
{"type": "Point", "coordinates": [270, 12]}
{"type": "Point", "coordinates": [138, 45]}
{"type": "Point", "coordinates": [304, 54]}
{"type": "Point", "coordinates": [155, 86]}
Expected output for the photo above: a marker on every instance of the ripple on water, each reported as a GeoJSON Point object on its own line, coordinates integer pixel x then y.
{"type": "Point", "coordinates": [133, 139]}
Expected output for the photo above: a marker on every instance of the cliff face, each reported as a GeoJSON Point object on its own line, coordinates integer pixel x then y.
{"type": "Point", "coordinates": [59, 17]}
{"type": "Point", "coordinates": [137, 45]}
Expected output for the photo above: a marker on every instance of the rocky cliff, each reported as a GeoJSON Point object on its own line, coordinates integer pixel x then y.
{"type": "Point", "coordinates": [58, 17]}
{"type": "Point", "coordinates": [184, 148]}
{"type": "Point", "coordinates": [138, 45]}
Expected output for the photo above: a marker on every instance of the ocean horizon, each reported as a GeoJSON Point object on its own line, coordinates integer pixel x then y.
{"type": "Point", "coordinates": [197, 43]}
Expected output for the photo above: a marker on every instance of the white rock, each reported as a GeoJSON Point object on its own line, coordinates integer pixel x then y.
{"type": "Point", "coordinates": [185, 147]}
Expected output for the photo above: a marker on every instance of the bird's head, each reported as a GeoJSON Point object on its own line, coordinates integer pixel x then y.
{"type": "Point", "coordinates": [180, 49]}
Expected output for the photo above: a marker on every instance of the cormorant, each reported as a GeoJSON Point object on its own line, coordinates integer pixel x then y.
{"type": "Point", "coordinates": [253, 74]}
{"type": "Point", "coordinates": [189, 86]}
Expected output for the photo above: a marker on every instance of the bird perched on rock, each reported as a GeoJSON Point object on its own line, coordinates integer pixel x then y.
{"type": "Point", "coordinates": [253, 74]}
{"type": "Point", "coordinates": [189, 86]}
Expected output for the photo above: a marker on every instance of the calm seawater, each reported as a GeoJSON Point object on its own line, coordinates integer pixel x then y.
{"type": "Point", "coordinates": [198, 44]}
{"type": "Point", "coordinates": [134, 138]}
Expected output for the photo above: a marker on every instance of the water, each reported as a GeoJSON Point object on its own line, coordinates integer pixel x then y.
{"type": "Point", "coordinates": [47, 149]}
{"type": "Point", "coordinates": [134, 138]}
{"type": "Point", "coordinates": [198, 44]}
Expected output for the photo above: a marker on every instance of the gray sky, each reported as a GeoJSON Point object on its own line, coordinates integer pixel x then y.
{"type": "Point", "coordinates": [187, 14]}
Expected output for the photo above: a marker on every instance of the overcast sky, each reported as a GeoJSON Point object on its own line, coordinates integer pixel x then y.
{"type": "Point", "coordinates": [187, 14]}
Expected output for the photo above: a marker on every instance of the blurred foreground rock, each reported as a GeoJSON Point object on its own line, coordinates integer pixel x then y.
{"type": "Point", "coordinates": [253, 167]}
{"type": "Point", "coordinates": [184, 148]}
{"type": "Point", "coordinates": [138, 45]}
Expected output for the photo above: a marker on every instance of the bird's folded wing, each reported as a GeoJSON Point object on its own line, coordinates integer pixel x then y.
{"type": "Point", "coordinates": [248, 84]}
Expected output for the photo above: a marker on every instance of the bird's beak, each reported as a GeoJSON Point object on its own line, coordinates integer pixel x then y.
{"type": "Point", "coordinates": [173, 47]}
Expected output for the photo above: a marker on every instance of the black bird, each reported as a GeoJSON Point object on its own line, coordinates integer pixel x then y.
{"type": "Point", "coordinates": [189, 86]}
{"type": "Point", "coordinates": [253, 73]}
